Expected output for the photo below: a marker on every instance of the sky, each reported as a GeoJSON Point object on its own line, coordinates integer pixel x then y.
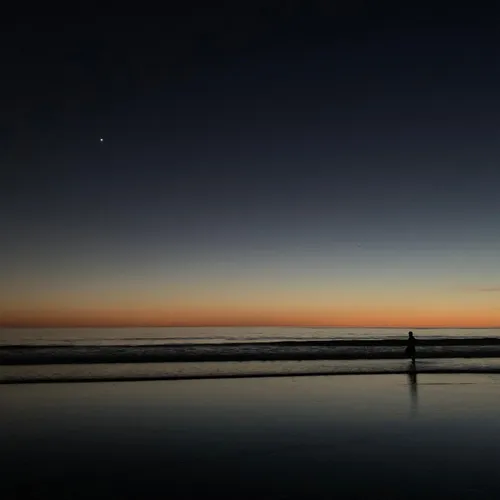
{"type": "Point", "coordinates": [255, 163]}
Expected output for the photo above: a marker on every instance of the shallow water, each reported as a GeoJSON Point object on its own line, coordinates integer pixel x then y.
{"type": "Point", "coordinates": [229, 369]}
{"type": "Point", "coordinates": [392, 436]}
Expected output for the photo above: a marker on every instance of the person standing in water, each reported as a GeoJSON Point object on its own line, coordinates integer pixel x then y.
{"type": "Point", "coordinates": [410, 347]}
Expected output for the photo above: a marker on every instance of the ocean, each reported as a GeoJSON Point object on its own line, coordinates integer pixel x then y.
{"type": "Point", "coordinates": [221, 335]}
{"type": "Point", "coordinates": [81, 354]}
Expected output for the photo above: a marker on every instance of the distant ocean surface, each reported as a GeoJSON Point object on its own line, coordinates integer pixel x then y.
{"type": "Point", "coordinates": [219, 335]}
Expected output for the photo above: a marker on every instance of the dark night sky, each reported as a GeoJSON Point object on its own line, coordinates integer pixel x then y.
{"type": "Point", "coordinates": [257, 157]}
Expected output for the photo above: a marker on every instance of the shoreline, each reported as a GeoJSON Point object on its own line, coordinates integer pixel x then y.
{"type": "Point", "coordinates": [135, 372]}
{"type": "Point", "coordinates": [83, 380]}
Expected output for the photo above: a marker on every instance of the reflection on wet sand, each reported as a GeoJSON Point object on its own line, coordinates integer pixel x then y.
{"type": "Point", "coordinates": [288, 437]}
{"type": "Point", "coordinates": [412, 384]}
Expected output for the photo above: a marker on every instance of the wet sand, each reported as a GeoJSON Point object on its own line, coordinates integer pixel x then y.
{"type": "Point", "coordinates": [390, 436]}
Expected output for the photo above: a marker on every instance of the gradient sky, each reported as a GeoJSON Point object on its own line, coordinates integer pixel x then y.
{"type": "Point", "coordinates": [303, 164]}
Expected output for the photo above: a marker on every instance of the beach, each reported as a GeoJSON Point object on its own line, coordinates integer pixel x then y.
{"type": "Point", "coordinates": [247, 413]}
{"type": "Point", "coordinates": [363, 436]}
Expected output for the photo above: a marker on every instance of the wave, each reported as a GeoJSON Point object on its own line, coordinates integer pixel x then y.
{"type": "Point", "coordinates": [257, 351]}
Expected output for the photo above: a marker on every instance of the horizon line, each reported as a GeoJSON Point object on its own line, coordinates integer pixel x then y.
{"type": "Point", "coordinates": [242, 325]}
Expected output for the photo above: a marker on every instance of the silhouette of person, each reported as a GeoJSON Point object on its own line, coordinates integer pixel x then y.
{"type": "Point", "coordinates": [410, 347]}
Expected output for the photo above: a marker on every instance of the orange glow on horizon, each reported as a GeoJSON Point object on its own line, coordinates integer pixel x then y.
{"type": "Point", "coordinates": [347, 318]}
